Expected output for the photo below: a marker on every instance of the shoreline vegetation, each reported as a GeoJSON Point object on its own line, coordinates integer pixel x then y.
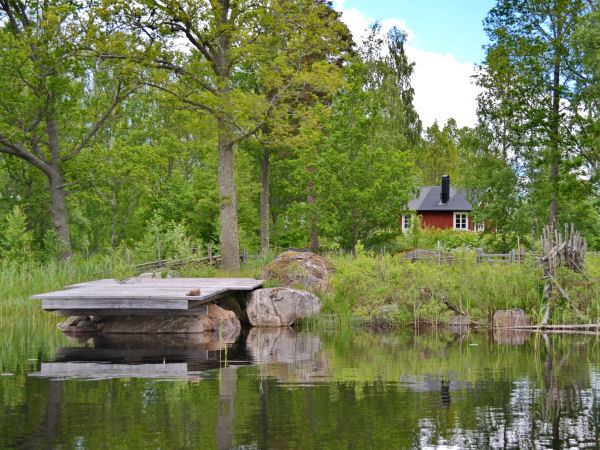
{"type": "Point", "coordinates": [368, 288]}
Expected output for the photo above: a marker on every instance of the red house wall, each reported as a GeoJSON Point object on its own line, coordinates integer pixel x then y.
{"type": "Point", "coordinates": [440, 219]}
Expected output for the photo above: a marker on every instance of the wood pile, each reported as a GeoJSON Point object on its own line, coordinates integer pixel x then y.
{"type": "Point", "coordinates": [558, 249]}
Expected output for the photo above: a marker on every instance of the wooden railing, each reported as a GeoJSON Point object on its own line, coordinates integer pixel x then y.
{"type": "Point", "coordinates": [511, 257]}
{"type": "Point", "coordinates": [177, 263]}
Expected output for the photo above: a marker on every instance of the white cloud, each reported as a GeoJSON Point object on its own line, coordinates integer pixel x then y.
{"type": "Point", "coordinates": [443, 86]}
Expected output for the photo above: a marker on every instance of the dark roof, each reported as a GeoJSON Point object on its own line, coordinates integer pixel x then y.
{"type": "Point", "coordinates": [429, 200]}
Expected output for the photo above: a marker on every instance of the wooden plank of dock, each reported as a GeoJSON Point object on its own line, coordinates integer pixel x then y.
{"type": "Point", "coordinates": [238, 284]}
{"type": "Point", "coordinates": [150, 295]}
{"type": "Point", "coordinates": [101, 371]}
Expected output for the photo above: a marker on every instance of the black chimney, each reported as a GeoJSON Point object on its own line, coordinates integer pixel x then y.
{"type": "Point", "coordinates": [445, 195]}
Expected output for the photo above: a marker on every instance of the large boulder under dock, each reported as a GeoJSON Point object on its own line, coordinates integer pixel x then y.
{"type": "Point", "coordinates": [280, 307]}
{"type": "Point", "coordinates": [217, 319]}
{"type": "Point", "coordinates": [294, 269]}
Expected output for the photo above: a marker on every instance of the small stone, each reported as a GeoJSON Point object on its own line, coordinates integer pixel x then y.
{"type": "Point", "coordinates": [387, 309]}
{"type": "Point", "coordinates": [146, 275]}
{"type": "Point", "coordinates": [73, 321]}
{"type": "Point", "coordinates": [85, 326]}
{"type": "Point", "coordinates": [194, 292]}
{"type": "Point", "coordinates": [459, 322]}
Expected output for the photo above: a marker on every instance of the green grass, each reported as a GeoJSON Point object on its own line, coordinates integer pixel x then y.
{"type": "Point", "coordinates": [391, 288]}
{"type": "Point", "coordinates": [362, 285]}
{"type": "Point", "coordinates": [25, 329]}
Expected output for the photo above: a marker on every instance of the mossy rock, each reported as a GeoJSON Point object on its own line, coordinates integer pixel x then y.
{"type": "Point", "coordinates": [300, 269]}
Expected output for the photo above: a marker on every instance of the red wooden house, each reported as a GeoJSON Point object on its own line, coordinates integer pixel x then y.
{"type": "Point", "coordinates": [444, 207]}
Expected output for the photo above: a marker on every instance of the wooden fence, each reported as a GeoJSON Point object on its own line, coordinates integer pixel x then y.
{"type": "Point", "coordinates": [511, 257]}
{"type": "Point", "coordinates": [177, 263]}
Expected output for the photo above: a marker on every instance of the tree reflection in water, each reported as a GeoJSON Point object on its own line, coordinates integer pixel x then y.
{"type": "Point", "coordinates": [283, 388]}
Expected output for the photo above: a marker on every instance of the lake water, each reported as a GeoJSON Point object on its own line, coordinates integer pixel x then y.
{"type": "Point", "coordinates": [298, 389]}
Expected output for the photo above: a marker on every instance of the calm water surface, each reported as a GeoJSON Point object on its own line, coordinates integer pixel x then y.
{"type": "Point", "coordinates": [292, 389]}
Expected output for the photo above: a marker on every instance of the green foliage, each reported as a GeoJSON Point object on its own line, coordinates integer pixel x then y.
{"type": "Point", "coordinates": [16, 237]}
{"type": "Point", "coordinates": [172, 238]}
{"type": "Point", "coordinates": [362, 172]}
{"type": "Point", "coordinates": [428, 238]}
{"type": "Point", "coordinates": [411, 293]}
{"type": "Point", "coordinates": [438, 154]}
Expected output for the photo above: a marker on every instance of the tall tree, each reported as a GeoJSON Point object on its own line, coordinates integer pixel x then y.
{"type": "Point", "coordinates": [533, 38]}
{"type": "Point", "coordinates": [362, 173]}
{"type": "Point", "coordinates": [223, 41]}
{"type": "Point", "coordinates": [438, 153]}
{"type": "Point", "coordinates": [54, 98]}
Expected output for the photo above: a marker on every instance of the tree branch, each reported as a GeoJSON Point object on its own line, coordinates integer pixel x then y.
{"type": "Point", "coordinates": [118, 98]}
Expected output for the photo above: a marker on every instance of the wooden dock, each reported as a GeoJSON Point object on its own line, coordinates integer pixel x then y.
{"type": "Point", "coordinates": [143, 296]}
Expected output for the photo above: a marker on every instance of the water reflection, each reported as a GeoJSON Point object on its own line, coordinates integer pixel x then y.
{"type": "Point", "coordinates": [141, 356]}
{"type": "Point", "coordinates": [287, 389]}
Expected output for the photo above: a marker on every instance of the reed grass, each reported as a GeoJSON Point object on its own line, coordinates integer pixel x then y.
{"type": "Point", "coordinates": [27, 333]}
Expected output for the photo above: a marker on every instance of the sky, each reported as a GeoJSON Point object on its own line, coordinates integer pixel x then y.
{"type": "Point", "coordinates": [445, 40]}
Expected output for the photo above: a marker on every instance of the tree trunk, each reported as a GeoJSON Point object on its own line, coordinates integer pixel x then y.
{"type": "Point", "coordinates": [264, 202]}
{"type": "Point", "coordinates": [230, 252]}
{"type": "Point", "coordinates": [314, 238]}
{"type": "Point", "coordinates": [58, 210]}
{"type": "Point", "coordinates": [58, 201]}
{"type": "Point", "coordinates": [113, 220]}
{"type": "Point", "coordinates": [555, 158]}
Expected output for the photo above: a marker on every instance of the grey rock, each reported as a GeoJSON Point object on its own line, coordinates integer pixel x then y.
{"type": "Point", "coordinates": [77, 324]}
{"type": "Point", "coordinates": [510, 318]}
{"type": "Point", "coordinates": [280, 307]}
{"type": "Point", "coordinates": [459, 322]}
{"type": "Point", "coordinates": [387, 309]}
{"type": "Point", "coordinates": [216, 320]}
{"type": "Point", "coordinates": [305, 269]}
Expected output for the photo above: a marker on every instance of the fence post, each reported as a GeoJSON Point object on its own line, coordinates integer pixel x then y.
{"type": "Point", "coordinates": [210, 257]}
{"type": "Point", "coordinates": [244, 255]}
{"type": "Point", "coordinates": [158, 250]}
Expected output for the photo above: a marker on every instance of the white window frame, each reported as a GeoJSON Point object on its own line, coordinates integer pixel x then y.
{"type": "Point", "coordinates": [479, 227]}
{"type": "Point", "coordinates": [463, 226]}
{"type": "Point", "coordinates": [406, 222]}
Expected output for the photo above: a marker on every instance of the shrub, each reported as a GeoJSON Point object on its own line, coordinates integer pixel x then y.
{"type": "Point", "coordinates": [16, 238]}
{"type": "Point", "coordinates": [175, 243]}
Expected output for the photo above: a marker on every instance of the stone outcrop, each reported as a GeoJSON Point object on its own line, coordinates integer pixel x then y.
{"type": "Point", "coordinates": [294, 269]}
{"type": "Point", "coordinates": [510, 318]}
{"type": "Point", "coordinates": [280, 307]}
{"type": "Point", "coordinates": [217, 320]}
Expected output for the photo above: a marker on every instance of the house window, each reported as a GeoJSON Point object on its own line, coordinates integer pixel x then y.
{"type": "Point", "coordinates": [461, 222]}
{"type": "Point", "coordinates": [406, 222]}
{"type": "Point", "coordinates": [479, 227]}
